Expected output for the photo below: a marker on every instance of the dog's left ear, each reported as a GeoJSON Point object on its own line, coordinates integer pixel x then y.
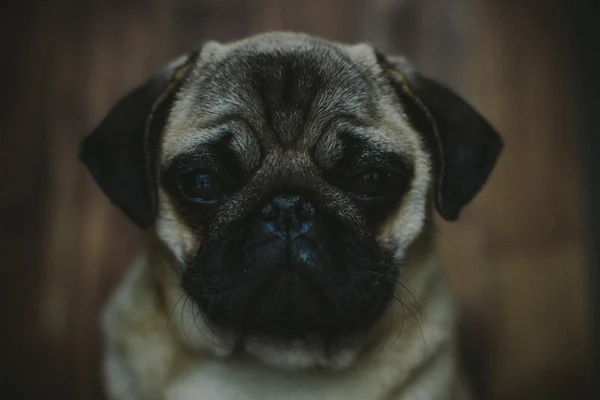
{"type": "Point", "coordinates": [119, 152]}
{"type": "Point", "coordinates": [464, 145]}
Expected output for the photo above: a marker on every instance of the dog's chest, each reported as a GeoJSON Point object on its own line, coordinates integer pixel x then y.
{"type": "Point", "coordinates": [224, 381]}
{"type": "Point", "coordinates": [220, 381]}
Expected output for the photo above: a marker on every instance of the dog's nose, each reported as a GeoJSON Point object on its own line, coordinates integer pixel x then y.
{"type": "Point", "coordinates": [288, 216]}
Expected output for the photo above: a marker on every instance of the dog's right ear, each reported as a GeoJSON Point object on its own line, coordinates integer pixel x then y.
{"type": "Point", "coordinates": [119, 152]}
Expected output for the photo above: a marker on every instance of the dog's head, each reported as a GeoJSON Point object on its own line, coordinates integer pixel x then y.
{"type": "Point", "coordinates": [288, 176]}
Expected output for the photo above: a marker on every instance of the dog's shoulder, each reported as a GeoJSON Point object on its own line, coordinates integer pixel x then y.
{"type": "Point", "coordinates": [141, 351]}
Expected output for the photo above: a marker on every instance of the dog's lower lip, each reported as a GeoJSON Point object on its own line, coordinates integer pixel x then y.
{"type": "Point", "coordinates": [280, 302]}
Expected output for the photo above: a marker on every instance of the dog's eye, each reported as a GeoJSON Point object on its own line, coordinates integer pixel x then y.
{"type": "Point", "coordinates": [200, 187]}
{"type": "Point", "coordinates": [371, 184]}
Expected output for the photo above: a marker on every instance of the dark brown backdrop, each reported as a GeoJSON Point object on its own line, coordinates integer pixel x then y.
{"type": "Point", "coordinates": [515, 259]}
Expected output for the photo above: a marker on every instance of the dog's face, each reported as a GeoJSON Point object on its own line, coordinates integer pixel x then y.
{"type": "Point", "coordinates": [289, 176]}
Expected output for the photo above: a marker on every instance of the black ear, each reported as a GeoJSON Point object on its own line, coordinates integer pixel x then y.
{"type": "Point", "coordinates": [465, 147]}
{"type": "Point", "coordinates": [119, 152]}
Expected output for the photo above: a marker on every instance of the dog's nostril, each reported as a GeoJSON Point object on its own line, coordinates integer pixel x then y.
{"type": "Point", "coordinates": [288, 216]}
{"type": "Point", "coordinates": [306, 210]}
{"type": "Point", "coordinates": [269, 212]}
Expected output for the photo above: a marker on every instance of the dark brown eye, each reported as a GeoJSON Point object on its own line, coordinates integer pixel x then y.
{"type": "Point", "coordinates": [200, 187]}
{"type": "Point", "coordinates": [371, 184]}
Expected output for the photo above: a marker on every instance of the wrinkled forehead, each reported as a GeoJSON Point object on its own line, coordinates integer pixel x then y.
{"type": "Point", "coordinates": [316, 78]}
{"type": "Point", "coordinates": [284, 96]}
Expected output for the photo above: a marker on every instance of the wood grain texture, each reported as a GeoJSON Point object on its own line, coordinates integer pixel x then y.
{"type": "Point", "coordinates": [515, 259]}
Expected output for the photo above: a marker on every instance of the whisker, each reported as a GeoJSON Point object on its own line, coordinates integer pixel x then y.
{"type": "Point", "coordinates": [418, 323]}
{"type": "Point", "coordinates": [413, 297]}
{"type": "Point", "coordinates": [183, 319]}
{"type": "Point", "coordinates": [397, 281]}
{"type": "Point", "coordinates": [402, 324]}
{"type": "Point", "coordinates": [195, 318]}
{"type": "Point", "coordinates": [174, 307]}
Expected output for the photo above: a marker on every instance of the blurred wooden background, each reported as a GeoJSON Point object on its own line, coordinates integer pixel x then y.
{"type": "Point", "coordinates": [515, 260]}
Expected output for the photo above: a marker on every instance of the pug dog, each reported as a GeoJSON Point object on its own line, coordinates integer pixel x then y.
{"type": "Point", "coordinates": [286, 186]}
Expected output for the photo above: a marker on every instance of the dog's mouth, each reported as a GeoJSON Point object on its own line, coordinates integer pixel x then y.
{"type": "Point", "coordinates": [288, 304]}
{"type": "Point", "coordinates": [293, 304]}
{"type": "Point", "coordinates": [292, 323]}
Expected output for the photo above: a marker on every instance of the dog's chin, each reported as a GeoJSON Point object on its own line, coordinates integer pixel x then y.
{"type": "Point", "coordinates": [300, 332]}
{"type": "Point", "coordinates": [312, 352]}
